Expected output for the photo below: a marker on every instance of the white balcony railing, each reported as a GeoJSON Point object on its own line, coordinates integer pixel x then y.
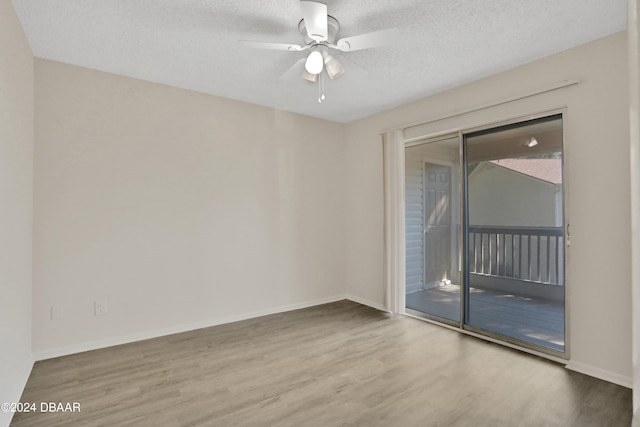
{"type": "Point", "coordinates": [531, 254]}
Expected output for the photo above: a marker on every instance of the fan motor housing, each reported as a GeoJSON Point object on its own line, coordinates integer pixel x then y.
{"type": "Point", "coordinates": [333, 27]}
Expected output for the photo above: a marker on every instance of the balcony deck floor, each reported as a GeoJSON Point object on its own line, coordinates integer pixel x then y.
{"type": "Point", "coordinates": [525, 318]}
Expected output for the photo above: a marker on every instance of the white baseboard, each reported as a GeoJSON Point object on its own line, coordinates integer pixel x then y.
{"type": "Point", "coordinates": [366, 302]}
{"type": "Point", "coordinates": [602, 374]}
{"type": "Point", "coordinates": [126, 339]}
{"type": "Point", "coordinates": [6, 417]}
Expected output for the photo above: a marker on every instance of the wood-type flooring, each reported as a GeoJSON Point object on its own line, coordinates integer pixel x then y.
{"type": "Point", "coordinates": [339, 364]}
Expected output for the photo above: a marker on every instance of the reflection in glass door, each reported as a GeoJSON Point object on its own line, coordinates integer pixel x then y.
{"type": "Point", "coordinates": [432, 209]}
{"type": "Point", "coordinates": [514, 235]}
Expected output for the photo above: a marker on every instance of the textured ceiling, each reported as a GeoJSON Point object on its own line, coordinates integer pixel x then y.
{"type": "Point", "coordinates": [193, 44]}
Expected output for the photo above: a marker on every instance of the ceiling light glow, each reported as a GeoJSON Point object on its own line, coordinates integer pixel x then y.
{"type": "Point", "coordinates": [314, 63]}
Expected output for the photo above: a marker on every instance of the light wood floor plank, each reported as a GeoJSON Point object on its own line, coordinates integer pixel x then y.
{"type": "Point", "coordinates": [339, 364]}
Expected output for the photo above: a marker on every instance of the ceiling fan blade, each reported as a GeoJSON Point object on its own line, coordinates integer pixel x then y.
{"type": "Point", "coordinates": [315, 19]}
{"type": "Point", "coordinates": [273, 46]}
{"type": "Point", "coordinates": [368, 40]}
{"type": "Point", "coordinates": [294, 71]}
{"type": "Point", "coordinates": [351, 68]}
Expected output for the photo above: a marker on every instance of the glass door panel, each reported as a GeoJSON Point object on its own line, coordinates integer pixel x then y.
{"type": "Point", "coordinates": [432, 209]}
{"type": "Point", "coordinates": [514, 234]}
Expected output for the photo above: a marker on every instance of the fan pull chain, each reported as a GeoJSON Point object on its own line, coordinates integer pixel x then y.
{"type": "Point", "coordinates": [321, 96]}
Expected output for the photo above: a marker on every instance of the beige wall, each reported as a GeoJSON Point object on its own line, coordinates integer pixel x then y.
{"type": "Point", "coordinates": [176, 208]}
{"type": "Point", "coordinates": [634, 116]}
{"type": "Point", "coordinates": [16, 183]}
{"type": "Point", "coordinates": [597, 171]}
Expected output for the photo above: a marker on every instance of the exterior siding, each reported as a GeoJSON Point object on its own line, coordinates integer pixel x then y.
{"type": "Point", "coordinates": [414, 206]}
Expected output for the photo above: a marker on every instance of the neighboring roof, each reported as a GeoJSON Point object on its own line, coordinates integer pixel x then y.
{"type": "Point", "coordinates": [549, 170]}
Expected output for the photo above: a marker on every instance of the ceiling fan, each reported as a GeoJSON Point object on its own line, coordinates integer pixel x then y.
{"type": "Point", "coordinates": [320, 31]}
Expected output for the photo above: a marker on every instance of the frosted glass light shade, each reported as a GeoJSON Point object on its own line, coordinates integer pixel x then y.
{"type": "Point", "coordinates": [308, 76]}
{"type": "Point", "coordinates": [334, 68]}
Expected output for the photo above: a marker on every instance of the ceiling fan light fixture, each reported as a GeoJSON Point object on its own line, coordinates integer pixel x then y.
{"type": "Point", "coordinates": [334, 67]}
{"type": "Point", "coordinates": [314, 63]}
{"type": "Point", "coordinates": [320, 31]}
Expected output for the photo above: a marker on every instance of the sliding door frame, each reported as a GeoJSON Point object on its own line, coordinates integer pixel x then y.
{"type": "Point", "coordinates": [461, 325]}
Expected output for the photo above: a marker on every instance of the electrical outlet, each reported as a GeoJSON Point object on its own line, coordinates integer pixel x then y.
{"type": "Point", "coordinates": [57, 312]}
{"type": "Point", "coordinates": [100, 307]}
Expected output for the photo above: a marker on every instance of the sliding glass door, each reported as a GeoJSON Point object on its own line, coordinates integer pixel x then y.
{"type": "Point", "coordinates": [515, 232]}
{"type": "Point", "coordinates": [485, 232]}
